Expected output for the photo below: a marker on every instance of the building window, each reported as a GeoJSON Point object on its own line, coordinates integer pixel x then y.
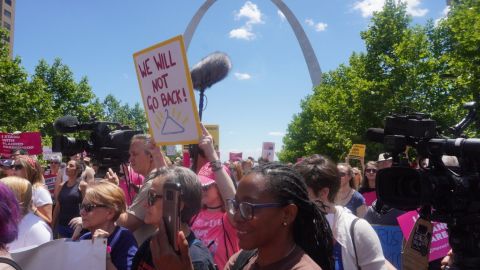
{"type": "Point", "coordinates": [7, 25]}
{"type": "Point", "coordinates": [7, 13]}
{"type": "Point", "coordinates": [8, 2]}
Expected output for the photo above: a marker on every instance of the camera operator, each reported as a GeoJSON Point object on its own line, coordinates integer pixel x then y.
{"type": "Point", "coordinates": [145, 157]}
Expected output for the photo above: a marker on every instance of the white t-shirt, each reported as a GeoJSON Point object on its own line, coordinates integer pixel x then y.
{"type": "Point", "coordinates": [32, 231]}
{"type": "Point", "coordinates": [41, 196]}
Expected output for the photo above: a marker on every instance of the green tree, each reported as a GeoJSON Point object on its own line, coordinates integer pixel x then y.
{"type": "Point", "coordinates": [134, 116]}
{"type": "Point", "coordinates": [68, 96]}
{"type": "Point", "coordinates": [24, 105]}
{"type": "Point", "coordinates": [403, 69]}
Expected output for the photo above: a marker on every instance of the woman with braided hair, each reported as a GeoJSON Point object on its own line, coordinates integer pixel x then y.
{"type": "Point", "coordinates": [277, 224]}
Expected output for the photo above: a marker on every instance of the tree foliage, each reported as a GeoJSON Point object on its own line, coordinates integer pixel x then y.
{"type": "Point", "coordinates": [431, 69]}
{"type": "Point", "coordinates": [33, 103]}
{"type": "Point", "coordinates": [114, 111]}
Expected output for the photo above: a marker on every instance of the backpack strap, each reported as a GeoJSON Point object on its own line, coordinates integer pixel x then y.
{"type": "Point", "coordinates": [243, 258]}
{"type": "Point", "coordinates": [352, 235]}
{"type": "Point", "coordinates": [10, 262]}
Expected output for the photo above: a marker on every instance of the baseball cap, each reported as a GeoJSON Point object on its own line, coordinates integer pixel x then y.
{"type": "Point", "coordinates": [207, 175]}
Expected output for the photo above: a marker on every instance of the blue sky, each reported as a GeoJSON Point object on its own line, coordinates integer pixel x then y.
{"type": "Point", "coordinates": [269, 78]}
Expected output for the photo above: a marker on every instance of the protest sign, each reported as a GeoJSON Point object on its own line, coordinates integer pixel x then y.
{"type": "Point", "coordinates": [29, 141]}
{"type": "Point", "coordinates": [391, 239]}
{"type": "Point", "coordinates": [235, 156]}
{"type": "Point", "coordinates": [50, 181]}
{"type": "Point", "coordinates": [370, 197]}
{"type": "Point", "coordinates": [64, 254]}
{"type": "Point", "coordinates": [268, 151]}
{"type": "Point", "coordinates": [214, 130]}
{"type": "Point", "coordinates": [357, 150]}
{"type": "Point", "coordinates": [171, 150]}
{"type": "Point", "coordinates": [439, 246]}
{"type": "Point", "coordinates": [167, 93]}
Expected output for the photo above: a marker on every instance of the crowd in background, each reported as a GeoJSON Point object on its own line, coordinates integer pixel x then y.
{"type": "Point", "coordinates": [239, 214]}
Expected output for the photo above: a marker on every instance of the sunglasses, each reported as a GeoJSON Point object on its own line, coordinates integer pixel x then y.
{"type": "Point", "coordinates": [54, 162]}
{"type": "Point", "coordinates": [247, 209]}
{"type": "Point", "coordinates": [89, 207]}
{"type": "Point", "coordinates": [371, 171]}
{"type": "Point", "coordinates": [207, 187]}
{"type": "Point", "coordinates": [17, 167]}
{"type": "Point", "coordinates": [342, 174]}
{"type": "Point", "coordinates": [152, 197]}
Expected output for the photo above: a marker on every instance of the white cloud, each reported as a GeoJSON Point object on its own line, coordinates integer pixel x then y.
{"type": "Point", "coordinates": [242, 76]}
{"type": "Point", "coordinates": [251, 12]}
{"type": "Point", "coordinates": [281, 15]}
{"type": "Point", "coordinates": [242, 33]}
{"type": "Point", "coordinates": [319, 27]}
{"type": "Point", "coordinates": [309, 22]}
{"type": "Point", "coordinates": [276, 133]}
{"type": "Point", "coordinates": [444, 15]}
{"type": "Point", "coordinates": [367, 7]}
{"type": "Point", "coordinates": [253, 15]}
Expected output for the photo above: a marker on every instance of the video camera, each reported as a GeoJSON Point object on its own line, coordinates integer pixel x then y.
{"type": "Point", "coordinates": [108, 142]}
{"type": "Point", "coordinates": [446, 194]}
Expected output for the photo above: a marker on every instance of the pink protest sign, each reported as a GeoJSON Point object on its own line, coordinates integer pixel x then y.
{"type": "Point", "coordinates": [235, 156]}
{"type": "Point", "coordinates": [29, 141]}
{"type": "Point", "coordinates": [439, 246]}
{"type": "Point", "coordinates": [370, 197]}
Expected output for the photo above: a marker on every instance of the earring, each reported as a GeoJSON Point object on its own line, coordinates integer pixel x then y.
{"type": "Point", "coordinates": [284, 223]}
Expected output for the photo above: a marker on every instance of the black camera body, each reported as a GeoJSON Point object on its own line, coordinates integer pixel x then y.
{"type": "Point", "coordinates": [108, 142]}
{"type": "Point", "coordinates": [447, 194]}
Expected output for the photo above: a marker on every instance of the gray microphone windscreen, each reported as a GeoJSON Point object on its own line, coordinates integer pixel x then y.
{"type": "Point", "coordinates": [210, 70]}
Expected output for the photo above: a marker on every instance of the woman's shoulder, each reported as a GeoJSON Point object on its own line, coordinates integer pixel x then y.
{"type": "Point", "coordinates": [357, 197]}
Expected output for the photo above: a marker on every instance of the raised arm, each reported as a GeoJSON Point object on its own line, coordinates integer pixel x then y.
{"type": "Point", "coordinates": [223, 180]}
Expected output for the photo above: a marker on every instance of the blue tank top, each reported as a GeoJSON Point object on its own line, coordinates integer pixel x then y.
{"type": "Point", "coordinates": [69, 198]}
{"type": "Point", "coordinates": [356, 201]}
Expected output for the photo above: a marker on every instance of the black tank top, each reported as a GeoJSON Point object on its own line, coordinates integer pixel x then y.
{"type": "Point", "coordinates": [69, 198]}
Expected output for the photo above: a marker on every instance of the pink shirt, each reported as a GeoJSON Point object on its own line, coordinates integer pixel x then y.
{"type": "Point", "coordinates": [217, 233]}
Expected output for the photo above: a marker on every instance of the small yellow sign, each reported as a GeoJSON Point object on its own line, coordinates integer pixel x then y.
{"type": "Point", "coordinates": [214, 130]}
{"type": "Point", "coordinates": [358, 150]}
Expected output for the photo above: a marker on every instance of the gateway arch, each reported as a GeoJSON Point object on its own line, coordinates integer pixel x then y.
{"type": "Point", "coordinates": [307, 50]}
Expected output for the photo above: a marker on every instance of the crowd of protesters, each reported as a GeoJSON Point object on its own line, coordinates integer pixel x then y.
{"type": "Point", "coordinates": [239, 214]}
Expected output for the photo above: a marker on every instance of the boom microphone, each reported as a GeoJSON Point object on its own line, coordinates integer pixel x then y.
{"type": "Point", "coordinates": [375, 135]}
{"type": "Point", "coordinates": [210, 70]}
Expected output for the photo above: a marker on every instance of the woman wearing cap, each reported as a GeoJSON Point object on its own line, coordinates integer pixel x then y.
{"type": "Point", "coordinates": [212, 224]}
{"type": "Point", "coordinates": [102, 205]}
{"type": "Point", "coordinates": [347, 195]}
{"type": "Point", "coordinates": [28, 168]}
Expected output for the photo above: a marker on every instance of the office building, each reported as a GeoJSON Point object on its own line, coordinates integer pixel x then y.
{"type": "Point", "coordinates": [7, 19]}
